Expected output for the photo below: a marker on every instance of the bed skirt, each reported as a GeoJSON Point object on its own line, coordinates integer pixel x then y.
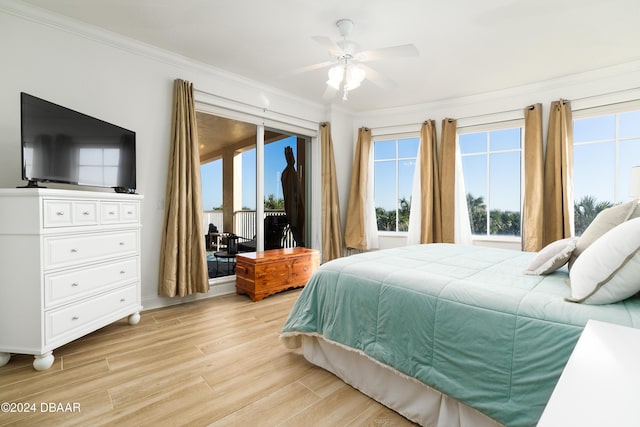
{"type": "Point", "coordinates": [407, 396]}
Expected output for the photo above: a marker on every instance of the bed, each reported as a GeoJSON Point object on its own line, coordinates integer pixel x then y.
{"type": "Point", "coordinates": [447, 335]}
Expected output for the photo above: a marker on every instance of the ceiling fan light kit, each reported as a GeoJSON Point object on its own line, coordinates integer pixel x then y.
{"type": "Point", "coordinates": [348, 74]}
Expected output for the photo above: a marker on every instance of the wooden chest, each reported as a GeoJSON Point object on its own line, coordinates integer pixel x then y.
{"type": "Point", "coordinates": [260, 274]}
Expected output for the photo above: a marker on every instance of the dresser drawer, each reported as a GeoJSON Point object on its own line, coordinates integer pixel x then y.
{"type": "Point", "coordinates": [120, 212]}
{"type": "Point", "coordinates": [78, 316]}
{"type": "Point", "coordinates": [71, 285]}
{"type": "Point", "coordinates": [60, 251]}
{"type": "Point", "coordinates": [69, 213]}
{"type": "Point", "coordinates": [129, 212]}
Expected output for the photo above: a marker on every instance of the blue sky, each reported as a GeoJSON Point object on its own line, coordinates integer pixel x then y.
{"type": "Point", "coordinates": [275, 162]}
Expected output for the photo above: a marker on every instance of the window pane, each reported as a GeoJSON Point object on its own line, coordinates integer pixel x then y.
{"type": "Point", "coordinates": [274, 163]}
{"type": "Point", "coordinates": [629, 157]}
{"type": "Point", "coordinates": [211, 178]}
{"type": "Point", "coordinates": [505, 139]}
{"type": "Point", "coordinates": [405, 187]}
{"type": "Point", "coordinates": [505, 194]}
{"type": "Point", "coordinates": [593, 165]}
{"type": "Point", "coordinates": [249, 180]}
{"type": "Point", "coordinates": [594, 128]}
{"type": "Point", "coordinates": [384, 150]}
{"type": "Point", "coordinates": [473, 142]}
{"type": "Point", "coordinates": [408, 148]}
{"type": "Point", "coordinates": [475, 181]}
{"type": "Point", "coordinates": [475, 175]}
{"type": "Point", "coordinates": [385, 194]}
{"type": "Point", "coordinates": [630, 125]}
{"type": "Point", "coordinates": [385, 184]}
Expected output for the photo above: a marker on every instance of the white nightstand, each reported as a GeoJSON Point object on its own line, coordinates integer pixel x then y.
{"type": "Point", "coordinates": [600, 386]}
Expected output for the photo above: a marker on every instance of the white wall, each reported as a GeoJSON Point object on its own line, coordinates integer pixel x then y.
{"type": "Point", "coordinates": [118, 81]}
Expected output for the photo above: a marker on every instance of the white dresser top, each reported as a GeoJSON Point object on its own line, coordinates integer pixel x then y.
{"type": "Point", "coordinates": [600, 385]}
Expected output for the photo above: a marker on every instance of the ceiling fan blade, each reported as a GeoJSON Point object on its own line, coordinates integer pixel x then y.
{"type": "Point", "coordinates": [306, 69]}
{"type": "Point", "coordinates": [377, 78]}
{"type": "Point", "coordinates": [401, 51]}
{"type": "Point", "coordinates": [329, 44]}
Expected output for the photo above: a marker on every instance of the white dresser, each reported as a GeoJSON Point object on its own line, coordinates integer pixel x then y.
{"type": "Point", "coordinates": [69, 264]}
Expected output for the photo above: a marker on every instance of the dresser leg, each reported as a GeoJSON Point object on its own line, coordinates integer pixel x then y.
{"type": "Point", "coordinates": [134, 318]}
{"type": "Point", "coordinates": [4, 358]}
{"type": "Point", "coordinates": [43, 362]}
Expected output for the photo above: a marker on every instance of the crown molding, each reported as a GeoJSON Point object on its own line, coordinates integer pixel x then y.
{"type": "Point", "coordinates": [60, 22]}
{"type": "Point", "coordinates": [564, 82]}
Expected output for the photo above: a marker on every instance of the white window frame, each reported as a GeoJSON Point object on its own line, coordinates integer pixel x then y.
{"type": "Point", "coordinates": [606, 110]}
{"type": "Point", "coordinates": [488, 127]}
{"type": "Point", "coordinates": [388, 137]}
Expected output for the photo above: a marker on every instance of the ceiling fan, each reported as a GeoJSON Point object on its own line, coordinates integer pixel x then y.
{"type": "Point", "coordinates": [348, 69]}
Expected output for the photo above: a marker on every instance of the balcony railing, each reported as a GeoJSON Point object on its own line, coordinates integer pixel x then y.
{"type": "Point", "coordinates": [244, 224]}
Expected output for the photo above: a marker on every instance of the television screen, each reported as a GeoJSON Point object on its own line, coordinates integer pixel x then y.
{"type": "Point", "coordinates": [65, 146]}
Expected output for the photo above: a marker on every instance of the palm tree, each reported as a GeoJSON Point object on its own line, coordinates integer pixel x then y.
{"type": "Point", "coordinates": [586, 210]}
{"type": "Point", "coordinates": [272, 203]}
{"type": "Point", "coordinates": [477, 214]}
{"type": "Point", "coordinates": [403, 214]}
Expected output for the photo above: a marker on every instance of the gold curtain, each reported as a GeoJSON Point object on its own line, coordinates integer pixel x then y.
{"type": "Point", "coordinates": [430, 220]}
{"type": "Point", "coordinates": [532, 218]}
{"type": "Point", "coordinates": [448, 179]}
{"type": "Point", "coordinates": [183, 264]}
{"type": "Point", "coordinates": [558, 169]}
{"type": "Point", "coordinates": [331, 227]}
{"type": "Point", "coordinates": [355, 235]}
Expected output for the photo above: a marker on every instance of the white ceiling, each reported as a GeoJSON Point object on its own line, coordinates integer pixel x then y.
{"type": "Point", "coordinates": [466, 47]}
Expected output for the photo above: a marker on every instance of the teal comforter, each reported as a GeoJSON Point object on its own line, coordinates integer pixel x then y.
{"type": "Point", "coordinates": [461, 319]}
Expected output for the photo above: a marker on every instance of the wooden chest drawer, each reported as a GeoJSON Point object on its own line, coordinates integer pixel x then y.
{"type": "Point", "coordinates": [260, 274]}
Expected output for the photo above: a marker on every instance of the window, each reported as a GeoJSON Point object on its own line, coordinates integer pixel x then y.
{"type": "Point", "coordinates": [394, 166]}
{"type": "Point", "coordinates": [492, 168]}
{"type": "Point", "coordinates": [605, 147]}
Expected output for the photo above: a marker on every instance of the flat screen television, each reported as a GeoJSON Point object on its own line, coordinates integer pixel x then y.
{"type": "Point", "coordinates": [64, 146]}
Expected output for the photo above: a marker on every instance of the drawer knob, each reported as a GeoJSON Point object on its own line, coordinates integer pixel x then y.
{"type": "Point", "coordinates": [112, 213]}
{"type": "Point", "coordinates": [129, 212]}
{"type": "Point", "coordinates": [122, 272]}
{"type": "Point", "coordinates": [75, 284]}
{"type": "Point", "coordinates": [85, 213]}
{"type": "Point", "coordinates": [121, 243]}
{"type": "Point", "coordinates": [74, 318]}
{"type": "Point", "coordinates": [122, 300]}
{"type": "Point", "coordinates": [60, 213]}
{"type": "Point", "coordinates": [74, 250]}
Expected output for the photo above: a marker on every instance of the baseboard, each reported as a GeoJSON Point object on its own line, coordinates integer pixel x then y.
{"type": "Point", "coordinates": [217, 287]}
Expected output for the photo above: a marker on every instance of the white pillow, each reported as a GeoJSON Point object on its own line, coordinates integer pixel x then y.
{"type": "Point", "coordinates": [552, 257]}
{"type": "Point", "coordinates": [603, 222]}
{"type": "Point", "coordinates": [608, 270]}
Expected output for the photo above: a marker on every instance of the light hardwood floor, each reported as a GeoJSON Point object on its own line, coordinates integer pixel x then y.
{"type": "Point", "coordinates": [212, 362]}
